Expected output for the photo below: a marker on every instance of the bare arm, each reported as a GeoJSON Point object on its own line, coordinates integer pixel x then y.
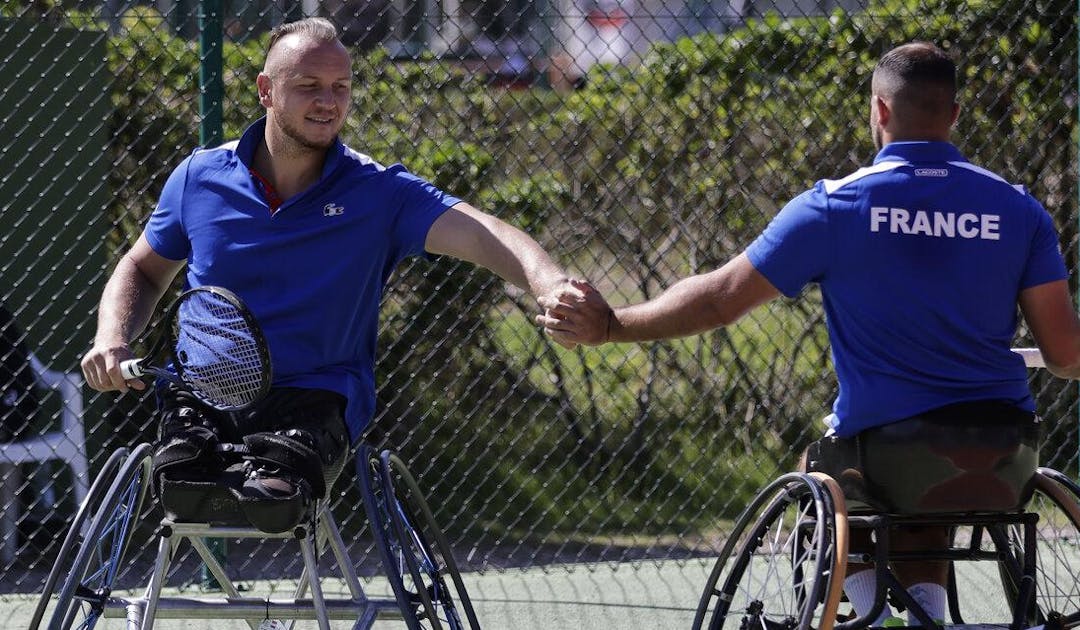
{"type": "Point", "coordinates": [696, 304]}
{"type": "Point", "coordinates": [1051, 316]}
{"type": "Point", "coordinates": [471, 235]}
{"type": "Point", "coordinates": [690, 306]}
{"type": "Point", "coordinates": [141, 277]}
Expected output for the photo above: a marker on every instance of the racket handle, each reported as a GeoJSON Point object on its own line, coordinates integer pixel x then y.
{"type": "Point", "coordinates": [131, 369]}
{"type": "Point", "coordinates": [1032, 357]}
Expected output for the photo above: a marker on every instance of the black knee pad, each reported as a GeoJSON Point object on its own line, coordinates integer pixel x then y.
{"type": "Point", "coordinates": [187, 447]}
{"type": "Point", "coordinates": [205, 500]}
{"type": "Point", "coordinates": [289, 454]}
{"type": "Point", "coordinates": [284, 475]}
{"type": "Point", "coordinates": [186, 460]}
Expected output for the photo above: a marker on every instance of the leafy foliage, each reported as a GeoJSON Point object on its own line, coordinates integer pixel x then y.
{"type": "Point", "coordinates": [648, 174]}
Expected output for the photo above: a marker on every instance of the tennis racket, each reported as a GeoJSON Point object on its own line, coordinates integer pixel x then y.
{"type": "Point", "coordinates": [215, 348]}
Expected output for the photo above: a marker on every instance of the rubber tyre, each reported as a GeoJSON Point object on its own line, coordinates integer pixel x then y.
{"type": "Point", "coordinates": [100, 554]}
{"type": "Point", "coordinates": [66, 555]}
{"type": "Point", "coordinates": [415, 552]}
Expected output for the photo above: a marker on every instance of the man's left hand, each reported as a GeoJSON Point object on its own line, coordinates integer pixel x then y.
{"type": "Point", "coordinates": [575, 313]}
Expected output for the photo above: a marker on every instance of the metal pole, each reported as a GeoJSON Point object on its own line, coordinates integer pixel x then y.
{"type": "Point", "coordinates": [211, 98]}
{"type": "Point", "coordinates": [211, 85]}
{"type": "Point", "coordinates": [208, 581]}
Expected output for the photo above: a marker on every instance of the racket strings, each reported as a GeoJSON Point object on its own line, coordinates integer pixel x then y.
{"type": "Point", "coordinates": [219, 354]}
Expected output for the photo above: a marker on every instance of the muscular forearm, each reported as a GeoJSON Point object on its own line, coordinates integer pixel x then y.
{"type": "Point", "coordinates": [1061, 354]}
{"type": "Point", "coordinates": [1050, 313]}
{"type": "Point", "coordinates": [127, 303]}
{"type": "Point", "coordinates": [695, 304]}
{"type": "Point", "coordinates": [140, 279]}
{"type": "Point", "coordinates": [1064, 371]}
{"type": "Point", "coordinates": [522, 262]}
{"type": "Point", "coordinates": [686, 308]}
{"type": "Point", "coordinates": [469, 234]}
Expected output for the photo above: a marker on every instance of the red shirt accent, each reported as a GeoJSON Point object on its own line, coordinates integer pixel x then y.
{"type": "Point", "coordinates": [273, 199]}
{"type": "Point", "coordinates": [614, 18]}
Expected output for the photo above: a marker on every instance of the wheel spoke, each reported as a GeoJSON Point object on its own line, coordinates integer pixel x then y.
{"type": "Point", "coordinates": [775, 568]}
{"type": "Point", "coordinates": [1057, 575]}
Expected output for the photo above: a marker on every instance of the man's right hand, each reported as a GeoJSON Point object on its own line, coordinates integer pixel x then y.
{"type": "Point", "coordinates": [101, 368]}
{"type": "Point", "coordinates": [581, 316]}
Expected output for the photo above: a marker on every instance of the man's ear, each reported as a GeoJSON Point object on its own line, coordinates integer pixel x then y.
{"type": "Point", "coordinates": [262, 84]}
{"type": "Point", "coordinates": [882, 113]}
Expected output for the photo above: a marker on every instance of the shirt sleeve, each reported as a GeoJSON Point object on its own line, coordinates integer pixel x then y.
{"type": "Point", "coordinates": [164, 230]}
{"type": "Point", "coordinates": [794, 248]}
{"type": "Point", "coordinates": [1045, 262]}
{"type": "Point", "coordinates": [420, 204]}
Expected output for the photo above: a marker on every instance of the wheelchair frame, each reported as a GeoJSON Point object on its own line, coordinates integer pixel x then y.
{"type": "Point", "coordinates": [101, 531]}
{"type": "Point", "coordinates": [732, 598]}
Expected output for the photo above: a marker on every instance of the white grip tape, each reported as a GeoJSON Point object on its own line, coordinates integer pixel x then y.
{"type": "Point", "coordinates": [1032, 357]}
{"type": "Point", "coordinates": [131, 369]}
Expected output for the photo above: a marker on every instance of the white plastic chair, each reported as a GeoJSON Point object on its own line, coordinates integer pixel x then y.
{"type": "Point", "coordinates": [67, 444]}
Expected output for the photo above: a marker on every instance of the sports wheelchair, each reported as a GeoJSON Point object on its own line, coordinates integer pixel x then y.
{"type": "Point", "coordinates": [427, 586]}
{"type": "Point", "coordinates": [783, 566]}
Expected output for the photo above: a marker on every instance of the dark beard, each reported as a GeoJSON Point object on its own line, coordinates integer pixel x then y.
{"type": "Point", "coordinates": [302, 144]}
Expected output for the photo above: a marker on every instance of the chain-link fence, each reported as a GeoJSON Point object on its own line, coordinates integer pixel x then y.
{"type": "Point", "coordinates": [638, 140]}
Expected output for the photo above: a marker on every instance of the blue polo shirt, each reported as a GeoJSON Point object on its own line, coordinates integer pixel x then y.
{"type": "Point", "coordinates": [312, 272]}
{"type": "Point", "coordinates": [921, 259]}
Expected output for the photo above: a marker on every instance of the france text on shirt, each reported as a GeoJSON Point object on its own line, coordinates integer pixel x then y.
{"type": "Point", "coordinates": [937, 224]}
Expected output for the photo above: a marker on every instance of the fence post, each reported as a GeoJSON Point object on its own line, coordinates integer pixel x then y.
{"type": "Point", "coordinates": [211, 85]}
{"type": "Point", "coordinates": [211, 98]}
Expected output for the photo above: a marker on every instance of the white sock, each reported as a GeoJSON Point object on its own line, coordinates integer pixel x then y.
{"type": "Point", "coordinates": [861, 589]}
{"type": "Point", "coordinates": [931, 597]}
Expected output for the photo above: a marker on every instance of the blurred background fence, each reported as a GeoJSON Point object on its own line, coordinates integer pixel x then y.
{"type": "Point", "coordinates": [638, 140]}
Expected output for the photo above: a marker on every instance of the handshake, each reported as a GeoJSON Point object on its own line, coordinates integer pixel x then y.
{"type": "Point", "coordinates": [575, 313]}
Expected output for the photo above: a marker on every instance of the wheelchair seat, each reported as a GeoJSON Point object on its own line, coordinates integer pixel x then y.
{"type": "Point", "coordinates": [967, 457]}
{"type": "Point", "coordinates": [219, 502]}
{"type": "Point", "coordinates": [219, 499]}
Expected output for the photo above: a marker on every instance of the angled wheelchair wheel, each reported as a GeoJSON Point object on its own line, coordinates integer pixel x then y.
{"type": "Point", "coordinates": [1057, 551]}
{"type": "Point", "coordinates": [97, 562]}
{"type": "Point", "coordinates": [416, 555]}
{"type": "Point", "coordinates": [85, 512]}
{"type": "Point", "coordinates": [782, 566]}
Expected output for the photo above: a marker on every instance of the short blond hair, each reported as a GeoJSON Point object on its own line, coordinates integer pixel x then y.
{"type": "Point", "coordinates": [317, 28]}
